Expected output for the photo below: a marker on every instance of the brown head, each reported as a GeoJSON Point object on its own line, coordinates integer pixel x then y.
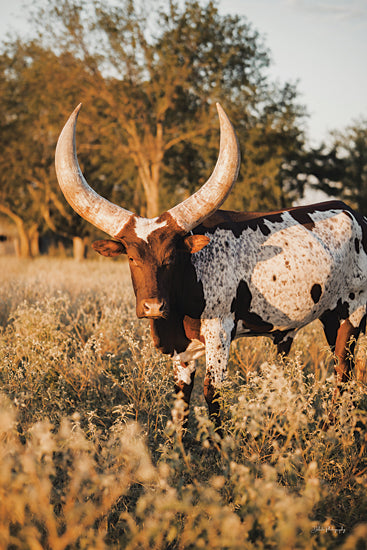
{"type": "Point", "coordinates": [151, 244]}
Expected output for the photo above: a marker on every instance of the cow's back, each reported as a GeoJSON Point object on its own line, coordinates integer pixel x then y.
{"type": "Point", "coordinates": [281, 270]}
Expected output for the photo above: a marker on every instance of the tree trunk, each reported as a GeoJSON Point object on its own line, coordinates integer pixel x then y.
{"type": "Point", "coordinates": [152, 197]}
{"type": "Point", "coordinates": [150, 184]}
{"type": "Point", "coordinates": [34, 241]}
{"type": "Point", "coordinates": [149, 163]}
{"type": "Point", "coordinates": [79, 249]}
{"type": "Point", "coordinates": [23, 246]}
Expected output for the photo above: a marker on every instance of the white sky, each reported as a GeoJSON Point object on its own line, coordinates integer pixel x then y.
{"type": "Point", "coordinates": [323, 45]}
{"type": "Point", "coordinates": [320, 43]}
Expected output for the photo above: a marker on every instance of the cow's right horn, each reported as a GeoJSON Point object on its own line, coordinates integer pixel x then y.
{"type": "Point", "coordinates": [189, 213]}
{"type": "Point", "coordinates": [102, 213]}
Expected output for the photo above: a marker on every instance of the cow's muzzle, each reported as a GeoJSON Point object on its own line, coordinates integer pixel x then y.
{"type": "Point", "coordinates": [152, 309]}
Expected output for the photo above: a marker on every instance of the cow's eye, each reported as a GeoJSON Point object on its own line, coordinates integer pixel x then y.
{"type": "Point", "coordinates": [167, 263]}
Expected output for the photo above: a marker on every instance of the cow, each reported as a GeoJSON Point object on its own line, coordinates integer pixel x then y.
{"type": "Point", "coordinates": [205, 276]}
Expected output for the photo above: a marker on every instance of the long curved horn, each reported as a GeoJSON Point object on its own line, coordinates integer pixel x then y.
{"type": "Point", "coordinates": [189, 213]}
{"type": "Point", "coordinates": [87, 203]}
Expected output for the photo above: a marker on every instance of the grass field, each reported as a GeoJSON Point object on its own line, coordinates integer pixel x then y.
{"type": "Point", "coordinates": [92, 458]}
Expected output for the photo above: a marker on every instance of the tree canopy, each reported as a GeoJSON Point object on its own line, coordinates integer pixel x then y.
{"type": "Point", "coordinates": [149, 76]}
{"type": "Point", "coordinates": [351, 150]}
{"type": "Point", "coordinates": [159, 72]}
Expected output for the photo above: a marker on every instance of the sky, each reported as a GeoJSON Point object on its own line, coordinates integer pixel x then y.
{"type": "Point", "coordinates": [321, 44]}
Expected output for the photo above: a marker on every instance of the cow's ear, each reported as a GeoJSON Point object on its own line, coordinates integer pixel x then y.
{"type": "Point", "coordinates": [194, 243]}
{"type": "Point", "coordinates": [109, 248]}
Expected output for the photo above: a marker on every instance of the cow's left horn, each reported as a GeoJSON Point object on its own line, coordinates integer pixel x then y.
{"type": "Point", "coordinates": [189, 213]}
{"type": "Point", "coordinates": [87, 203]}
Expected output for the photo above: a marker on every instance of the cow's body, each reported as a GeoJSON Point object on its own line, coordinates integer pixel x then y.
{"type": "Point", "coordinates": [205, 276]}
{"type": "Point", "coordinates": [267, 275]}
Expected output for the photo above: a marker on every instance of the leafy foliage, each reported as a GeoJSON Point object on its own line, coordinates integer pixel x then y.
{"type": "Point", "coordinates": [339, 169]}
{"type": "Point", "coordinates": [33, 107]}
{"type": "Point", "coordinates": [351, 146]}
{"type": "Point", "coordinates": [149, 135]}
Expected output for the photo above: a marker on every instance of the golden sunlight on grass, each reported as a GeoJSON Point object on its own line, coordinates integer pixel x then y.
{"type": "Point", "coordinates": [92, 458]}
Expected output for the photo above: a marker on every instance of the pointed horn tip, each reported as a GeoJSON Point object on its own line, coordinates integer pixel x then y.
{"type": "Point", "coordinates": [77, 109]}
{"type": "Point", "coordinates": [221, 113]}
{"type": "Point", "coordinates": [220, 110]}
{"type": "Point", "coordinates": [74, 115]}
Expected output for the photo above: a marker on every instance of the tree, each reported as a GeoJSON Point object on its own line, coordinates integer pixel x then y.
{"type": "Point", "coordinates": [351, 147]}
{"type": "Point", "coordinates": [36, 86]}
{"type": "Point", "coordinates": [149, 135]}
{"type": "Point", "coordinates": [157, 74]}
{"type": "Point", "coordinates": [340, 168]}
{"type": "Point", "coordinates": [16, 200]}
{"type": "Point", "coordinates": [273, 142]}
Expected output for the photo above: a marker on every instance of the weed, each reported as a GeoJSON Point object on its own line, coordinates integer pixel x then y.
{"type": "Point", "coordinates": [92, 458]}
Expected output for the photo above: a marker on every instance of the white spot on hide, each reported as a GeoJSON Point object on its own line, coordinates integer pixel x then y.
{"type": "Point", "coordinates": [357, 316]}
{"type": "Point", "coordinates": [144, 227]}
{"type": "Point", "coordinates": [183, 371]}
{"type": "Point", "coordinates": [217, 334]}
{"type": "Point", "coordinates": [193, 351]}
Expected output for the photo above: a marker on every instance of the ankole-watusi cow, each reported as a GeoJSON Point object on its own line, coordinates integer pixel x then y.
{"type": "Point", "coordinates": [205, 276]}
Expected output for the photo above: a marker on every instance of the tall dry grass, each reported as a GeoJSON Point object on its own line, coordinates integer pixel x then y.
{"type": "Point", "coordinates": [91, 457]}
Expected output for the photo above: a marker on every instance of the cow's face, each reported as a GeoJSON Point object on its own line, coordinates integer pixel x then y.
{"type": "Point", "coordinates": [152, 247]}
{"type": "Point", "coordinates": [151, 244]}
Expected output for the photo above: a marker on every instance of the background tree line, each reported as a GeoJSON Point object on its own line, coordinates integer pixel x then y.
{"type": "Point", "coordinates": [149, 75]}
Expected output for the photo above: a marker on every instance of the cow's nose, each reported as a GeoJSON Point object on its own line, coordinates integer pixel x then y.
{"type": "Point", "coordinates": [154, 308]}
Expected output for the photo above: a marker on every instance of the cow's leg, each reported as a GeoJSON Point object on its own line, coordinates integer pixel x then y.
{"type": "Point", "coordinates": [184, 374]}
{"type": "Point", "coordinates": [217, 335]}
{"type": "Point", "coordinates": [342, 337]}
{"type": "Point", "coordinates": [344, 352]}
{"type": "Point", "coordinates": [212, 395]}
{"type": "Point", "coordinates": [283, 348]}
{"type": "Point", "coordinates": [283, 339]}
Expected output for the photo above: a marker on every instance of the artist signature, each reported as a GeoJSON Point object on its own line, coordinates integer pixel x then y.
{"type": "Point", "coordinates": [328, 529]}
